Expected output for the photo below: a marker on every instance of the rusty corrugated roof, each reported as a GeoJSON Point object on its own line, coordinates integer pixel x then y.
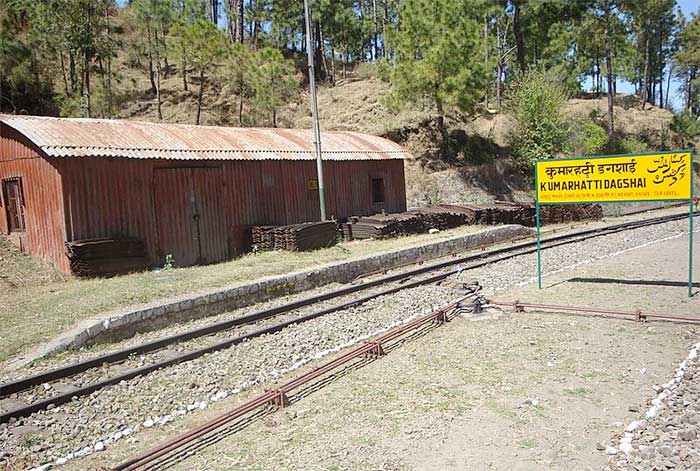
{"type": "Point", "coordinates": [83, 137]}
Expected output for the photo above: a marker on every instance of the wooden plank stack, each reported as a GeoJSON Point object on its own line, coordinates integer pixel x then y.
{"type": "Point", "coordinates": [569, 213]}
{"type": "Point", "coordinates": [295, 237]}
{"type": "Point", "coordinates": [380, 226]}
{"type": "Point", "coordinates": [106, 257]}
{"type": "Point", "coordinates": [447, 216]}
{"type": "Point", "coordinates": [263, 237]}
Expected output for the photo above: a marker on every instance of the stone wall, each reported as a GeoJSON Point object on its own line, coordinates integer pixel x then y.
{"type": "Point", "coordinates": [126, 323]}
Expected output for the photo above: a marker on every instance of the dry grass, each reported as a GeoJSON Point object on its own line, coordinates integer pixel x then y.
{"type": "Point", "coordinates": [39, 303]}
{"type": "Point", "coordinates": [18, 271]}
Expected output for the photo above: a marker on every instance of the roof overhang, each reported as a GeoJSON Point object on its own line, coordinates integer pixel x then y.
{"type": "Point", "coordinates": [84, 137]}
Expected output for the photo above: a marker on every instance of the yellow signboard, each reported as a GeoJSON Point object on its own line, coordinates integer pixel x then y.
{"type": "Point", "coordinates": [643, 177]}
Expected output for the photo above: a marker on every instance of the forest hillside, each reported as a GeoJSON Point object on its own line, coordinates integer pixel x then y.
{"type": "Point", "coordinates": [475, 89]}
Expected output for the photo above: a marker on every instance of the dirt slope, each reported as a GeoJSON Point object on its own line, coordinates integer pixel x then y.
{"type": "Point", "coordinates": [478, 170]}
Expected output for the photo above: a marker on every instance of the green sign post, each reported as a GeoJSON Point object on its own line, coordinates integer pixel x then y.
{"type": "Point", "coordinates": [657, 176]}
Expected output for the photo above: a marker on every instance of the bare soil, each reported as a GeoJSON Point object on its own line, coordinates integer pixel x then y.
{"type": "Point", "coordinates": [508, 391]}
{"type": "Point", "coordinates": [477, 169]}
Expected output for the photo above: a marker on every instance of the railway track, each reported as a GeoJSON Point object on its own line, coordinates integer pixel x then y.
{"type": "Point", "coordinates": [112, 368]}
{"type": "Point", "coordinates": [281, 395]}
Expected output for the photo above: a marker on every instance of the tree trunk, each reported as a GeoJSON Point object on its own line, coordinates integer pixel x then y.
{"type": "Point", "coordinates": [609, 66]}
{"type": "Point", "coordinates": [108, 84]}
{"type": "Point", "coordinates": [240, 105]}
{"type": "Point", "coordinates": [86, 73]}
{"type": "Point", "coordinates": [65, 76]}
{"type": "Point", "coordinates": [240, 29]}
{"type": "Point", "coordinates": [326, 75]}
{"type": "Point", "coordinates": [668, 83]}
{"type": "Point", "coordinates": [499, 73]}
{"type": "Point", "coordinates": [499, 65]}
{"type": "Point", "coordinates": [151, 71]}
{"type": "Point", "coordinates": [274, 118]}
{"type": "Point", "coordinates": [230, 24]}
{"type": "Point", "coordinates": [519, 39]}
{"type": "Point", "coordinates": [318, 52]}
{"type": "Point", "coordinates": [486, 56]}
{"type": "Point", "coordinates": [73, 74]}
{"type": "Point", "coordinates": [691, 105]}
{"type": "Point", "coordinates": [184, 73]}
{"type": "Point", "coordinates": [360, 12]}
{"type": "Point", "coordinates": [201, 94]}
{"type": "Point", "coordinates": [441, 119]}
{"type": "Point", "coordinates": [166, 65]}
{"type": "Point", "coordinates": [662, 66]}
{"type": "Point", "coordinates": [385, 21]}
{"type": "Point", "coordinates": [212, 8]}
{"type": "Point", "coordinates": [231, 21]}
{"type": "Point", "coordinates": [645, 75]}
{"type": "Point", "coordinates": [158, 98]}
{"type": "Point", "coordinates": [596, 73]}
{"type": "Point", "coordinates": [375, 30]}
{"type": "Point", "coordinates": [345, 62]}
{"type": "Point", "coordinates": [253, 32]}
{"type": "Point", "coordinates": [332, 64]}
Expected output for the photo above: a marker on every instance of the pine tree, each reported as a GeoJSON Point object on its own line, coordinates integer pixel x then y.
{"type": "Point", "coordinates": [274, 82]}
{"type": "Point", "coordinates": [240, 67]}
{"type": "Point", "coordinates": [204, 45]}
{"type": "Point", "coordinates": [439, 55]}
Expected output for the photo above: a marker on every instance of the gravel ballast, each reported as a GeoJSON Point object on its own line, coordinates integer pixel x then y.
{"type": "Point", "coordinates": [668, 436]}
{"type": "Point", "coordinates": [91, 423]}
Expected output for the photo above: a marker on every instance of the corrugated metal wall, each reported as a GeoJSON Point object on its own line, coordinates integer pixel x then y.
{"type": "Point", "coordinates": [117, 197]}
{"type": "Point", "coordinates": [43, 208]}
{"type": "Point", "coordinates": [84, 198]}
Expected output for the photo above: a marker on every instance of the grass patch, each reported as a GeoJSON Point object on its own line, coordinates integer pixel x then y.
{"type": "Point", "coordinates": [37, 302]}
{"type": "Point", "coordinates": [501, 410]}
{"type": "Point", "coordinates": [578, 392]}
{"type": "Point", "coordinates": [528, 443]}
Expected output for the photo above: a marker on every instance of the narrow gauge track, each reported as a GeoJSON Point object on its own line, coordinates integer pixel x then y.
{"type": "Point", "coordinates": [403, 280]}
{"type": "Point", "coordinates": [280, 396]}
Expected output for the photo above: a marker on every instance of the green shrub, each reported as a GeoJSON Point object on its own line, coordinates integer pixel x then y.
{"type": "Point", "coordinates": [69, 106]}
{"type": "Point", "coordinates": [535, 100]}
{"type": "Point", "coordinates": [688, 128]}
{"type": "Point", "coordinates": [630, 145]}
{"type": "Point", "coordinates": [587, 138]}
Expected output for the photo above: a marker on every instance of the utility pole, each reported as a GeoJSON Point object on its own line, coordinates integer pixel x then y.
{"type": "Point", "coordinates": [314, 111]}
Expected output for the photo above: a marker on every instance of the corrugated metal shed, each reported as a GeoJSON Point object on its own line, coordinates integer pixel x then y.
{"type": "Point", "coordinates": [187, 191]}
{"type": "Point", "coordinates": [60, 137]}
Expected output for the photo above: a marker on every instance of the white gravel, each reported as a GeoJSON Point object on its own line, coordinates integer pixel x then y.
{"type": "Point", "coordinates": [668, 435]}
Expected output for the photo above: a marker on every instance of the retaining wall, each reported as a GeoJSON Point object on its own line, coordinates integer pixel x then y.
{"type": "Point", "coordinates": [127, 322]}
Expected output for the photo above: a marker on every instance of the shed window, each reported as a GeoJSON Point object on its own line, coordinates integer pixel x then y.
{"type": "Point", "coordinates": [377, 190]}
{"type": "Point", "coordinates": [14, 204]}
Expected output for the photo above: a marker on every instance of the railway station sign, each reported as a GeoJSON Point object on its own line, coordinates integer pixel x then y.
{"type": "Point", "coordinates": [644, 177]}
{"type": "Point", "coordinates": [658, 176]}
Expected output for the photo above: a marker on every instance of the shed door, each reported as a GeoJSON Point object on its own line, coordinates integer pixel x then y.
{"type": "Point", "coordinates": [189, 215]}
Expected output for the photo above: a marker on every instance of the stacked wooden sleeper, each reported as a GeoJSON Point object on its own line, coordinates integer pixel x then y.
{"type": "Point", "coordinates": [106, 257]}
{"type": "Point", "coordinates": [295, 237]}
